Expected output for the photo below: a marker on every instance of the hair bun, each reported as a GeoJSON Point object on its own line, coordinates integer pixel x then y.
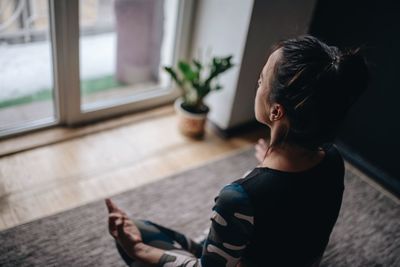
{"type": "Point", "coordinates": [353, 72]}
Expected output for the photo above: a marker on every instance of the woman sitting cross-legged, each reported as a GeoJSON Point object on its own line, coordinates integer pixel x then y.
{"type": "Point", "coordinates": [283, 211]}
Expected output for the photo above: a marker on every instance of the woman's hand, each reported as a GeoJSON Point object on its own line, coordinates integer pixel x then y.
{"type": "Point", "coordinates": [122, 228]}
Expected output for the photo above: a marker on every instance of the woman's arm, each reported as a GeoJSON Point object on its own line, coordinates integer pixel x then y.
{"type": "Point", "coordinates": [147, 254]}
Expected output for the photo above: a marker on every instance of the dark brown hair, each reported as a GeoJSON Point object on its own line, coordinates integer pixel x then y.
{"type": "Point", "coordinates": [316, 84]}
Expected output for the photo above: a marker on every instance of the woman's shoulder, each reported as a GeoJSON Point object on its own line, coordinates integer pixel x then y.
{"type": "Point", "coordinates": [258, 176]}
{"type": "Point", "coordinates": [233, 200]}
{"type": "Point", "coordinates": [232, 193]}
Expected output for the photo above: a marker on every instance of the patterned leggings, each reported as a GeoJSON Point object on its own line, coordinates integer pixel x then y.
{"type": "Point", "coordinates": [164, 238]}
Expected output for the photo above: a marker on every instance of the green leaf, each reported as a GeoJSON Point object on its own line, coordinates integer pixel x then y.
{"type": "Point", "coordinates": [187, 71]}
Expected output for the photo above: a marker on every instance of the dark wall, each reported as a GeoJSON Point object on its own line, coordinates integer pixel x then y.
{"type": "Point", "coordinates": [370, 135]}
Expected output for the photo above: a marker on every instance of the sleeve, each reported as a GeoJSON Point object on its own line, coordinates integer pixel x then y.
{"type": "Point", "coordinates": [232, 223]}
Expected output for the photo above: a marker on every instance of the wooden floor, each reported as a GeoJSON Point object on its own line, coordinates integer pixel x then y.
{"type": "Point", "coordinates": [96, 164]}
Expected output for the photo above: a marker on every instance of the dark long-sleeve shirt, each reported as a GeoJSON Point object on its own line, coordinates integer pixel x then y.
{"type": "Point", "coordinates": [272, 218]}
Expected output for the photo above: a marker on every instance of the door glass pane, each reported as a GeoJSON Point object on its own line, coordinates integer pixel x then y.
{"type": "Point", "coordinates": [123, 45]}
{"type": "Point", "coordinates": [26, 79]}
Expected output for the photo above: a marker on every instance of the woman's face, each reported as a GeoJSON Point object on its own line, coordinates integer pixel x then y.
{"type": "Point", "coordinates": [261, 107]}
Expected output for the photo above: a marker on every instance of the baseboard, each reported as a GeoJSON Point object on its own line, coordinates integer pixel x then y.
{"type": "Point", "coordinates": [387, 181]}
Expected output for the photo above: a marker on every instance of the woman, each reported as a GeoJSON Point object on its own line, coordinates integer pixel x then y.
{"type": "Point", "coordinates": [283, 211]}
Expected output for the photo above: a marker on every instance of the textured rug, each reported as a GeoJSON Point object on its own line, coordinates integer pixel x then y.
{"type": "Point", "coordinates": [367, 232]}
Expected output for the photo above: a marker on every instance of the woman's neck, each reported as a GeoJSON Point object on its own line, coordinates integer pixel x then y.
{"type": "Point", "coordinates": [292, 158]}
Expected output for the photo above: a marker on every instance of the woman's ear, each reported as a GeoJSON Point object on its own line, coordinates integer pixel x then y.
{"type": "Point", "coordinates": [277, 112]}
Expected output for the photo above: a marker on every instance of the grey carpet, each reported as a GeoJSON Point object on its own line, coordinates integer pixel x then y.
{"type": "Point", "coordinates": [367, 232]}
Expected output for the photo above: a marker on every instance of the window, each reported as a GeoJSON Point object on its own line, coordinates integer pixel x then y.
{"type": "Point", "coordinates": [70, 61]}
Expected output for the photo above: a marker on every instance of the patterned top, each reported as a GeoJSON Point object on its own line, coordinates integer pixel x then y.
{"type": "Point", "coordinates": [232, 213]}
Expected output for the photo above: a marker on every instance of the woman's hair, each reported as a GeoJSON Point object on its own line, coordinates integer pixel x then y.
{"type": "Point", "coordinates": [316, 84]}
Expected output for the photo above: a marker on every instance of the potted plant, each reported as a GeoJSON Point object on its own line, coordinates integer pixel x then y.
{"type": "Point", "coordinates": [195, 82]}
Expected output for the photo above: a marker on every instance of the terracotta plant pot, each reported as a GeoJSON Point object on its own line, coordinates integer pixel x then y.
{"type": "Point", "coordinates": [190, 124]}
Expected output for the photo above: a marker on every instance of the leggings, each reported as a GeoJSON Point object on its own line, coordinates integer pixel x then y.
{"type": "Point", "coordinates": [164, 238]}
